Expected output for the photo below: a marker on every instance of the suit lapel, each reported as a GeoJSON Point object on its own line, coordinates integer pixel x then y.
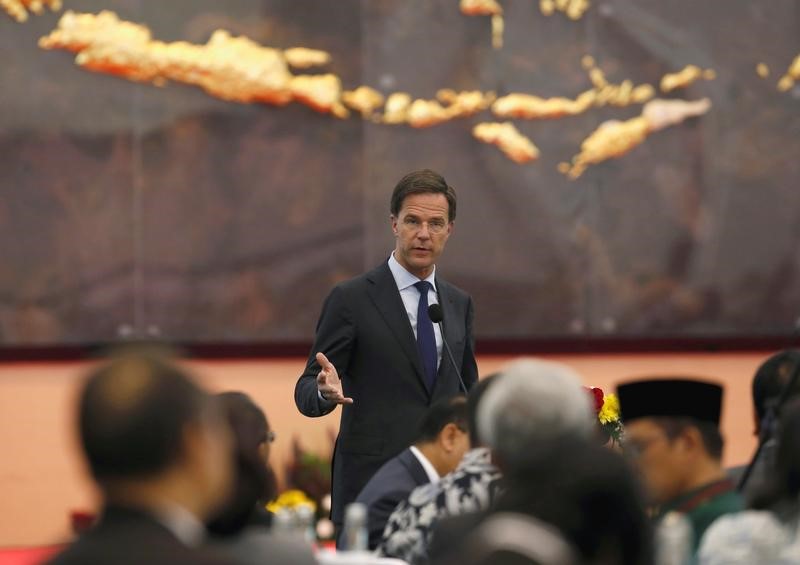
{"type": "Point", "coordinates": [386, 297]}
{"type": "Point", "coordinates": [448, 313]}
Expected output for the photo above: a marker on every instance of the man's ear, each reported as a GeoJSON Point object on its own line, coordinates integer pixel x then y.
{"type": "Point", "coordinates": [691, 440]}
{"type": "Point", "coordinates": [448, 436]}
{"type": "Point", "coordinates": [393, 219]}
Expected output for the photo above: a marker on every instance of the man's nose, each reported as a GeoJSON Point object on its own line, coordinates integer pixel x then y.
{"type": "Point", "coordinates": [423, 232]}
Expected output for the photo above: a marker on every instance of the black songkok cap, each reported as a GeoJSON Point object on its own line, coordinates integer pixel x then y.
{"type": "Point", "coordinates": [672, 398]}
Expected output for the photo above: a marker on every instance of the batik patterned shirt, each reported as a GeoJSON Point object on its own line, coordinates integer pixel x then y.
{"type": "Point", "coordinates": [750, 538]}
{"type": "Point", "coordinates": [470, 488]}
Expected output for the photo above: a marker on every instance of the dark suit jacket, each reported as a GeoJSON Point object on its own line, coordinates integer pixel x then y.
{"type": "Point", "coordinates": [130, 537]}
{"type": "Point", "coordinates": [365, 332]}
{"type": "Point", "coordinates": [387, 488]}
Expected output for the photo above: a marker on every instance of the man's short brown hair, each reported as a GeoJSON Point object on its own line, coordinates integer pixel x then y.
{"type": "Point", "coordinates": [424, 181]}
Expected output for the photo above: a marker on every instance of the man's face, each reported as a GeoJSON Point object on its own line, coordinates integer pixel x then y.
{"type": "Point", "coordinates": [421, 229]}
{"type": "Point", "coordinates": [661, 461]}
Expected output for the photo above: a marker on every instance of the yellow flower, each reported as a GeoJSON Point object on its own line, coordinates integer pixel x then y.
{"type": "Point", "coordinates": [610, 410]}
{"type": "Point", "coordinates": [291, 499]}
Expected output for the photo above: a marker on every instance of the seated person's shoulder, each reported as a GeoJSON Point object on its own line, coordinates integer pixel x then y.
{"type": "Point", "coordinates": [745, 537]}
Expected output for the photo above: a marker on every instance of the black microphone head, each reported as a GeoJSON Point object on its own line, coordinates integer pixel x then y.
{"type": "Point", "coordinates": [435, 313]}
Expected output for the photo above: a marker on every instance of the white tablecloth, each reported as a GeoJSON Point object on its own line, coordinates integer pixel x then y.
{"type": "Point", "coordinates": [329, 557]}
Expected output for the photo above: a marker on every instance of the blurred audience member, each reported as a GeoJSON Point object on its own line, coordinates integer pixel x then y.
{"type": "Point", "coordinates": [529, 403]}
{"type": "Point", "coordinates": [769, 382]}
{"type": "Point", "coordinates": [672, 434]}
{"type": "Point", "coordinates": [255, 480]}
{"type": "Point", "coordinates": [532, 405]}
{"type": "Point", "coordinates": [160, 452]}
{"type": "Point", "coordinates": [768, 533]}
{"type": "Point", "coordinates": [589, 494]}
{"type": "Point", "coordinates": [584, 493]}
{"type": "Point", "coordinates": [442, 443]}
{"type": "Point", "coordinates": [506, 538]}
{"type": "Point", "coordinates": [532, 402]}
{"type": "Point", "coordinates": [240, 528]}
{"type": "Point", "coordinates": [469, 488]}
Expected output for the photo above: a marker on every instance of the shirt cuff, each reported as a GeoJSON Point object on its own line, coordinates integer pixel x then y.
{"type": "Point", "coordinates": [325, 404]}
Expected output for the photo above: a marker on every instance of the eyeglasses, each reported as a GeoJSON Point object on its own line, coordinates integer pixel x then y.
{"type": "Point", "coordinates": [635, 448]}
{"type": "Point", "coordinates": [434, 226]}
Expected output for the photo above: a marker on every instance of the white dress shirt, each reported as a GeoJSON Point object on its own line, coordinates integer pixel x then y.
{"type": "Point", "coordinates": [183, 524]}
{"type": "Point", "coordinates": [433, 476]}
{"type": "Point", "coordinates": [410, 295]}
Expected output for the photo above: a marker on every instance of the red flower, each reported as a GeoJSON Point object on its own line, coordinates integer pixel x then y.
{"type": "Point", "coordinates": [597, 397]}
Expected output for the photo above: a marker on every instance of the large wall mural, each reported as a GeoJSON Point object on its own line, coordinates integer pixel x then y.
{"type": "Point", "coordinates": [625, 168]}
{"type": "Point", "coordinates": [20, 10]}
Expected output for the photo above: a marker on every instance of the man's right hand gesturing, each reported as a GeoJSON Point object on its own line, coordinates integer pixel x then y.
{"type": "Point", "coordinates": [328, 383]}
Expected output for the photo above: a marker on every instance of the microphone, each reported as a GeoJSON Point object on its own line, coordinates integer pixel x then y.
{"type": "Point", "coordinates": [436, 315]}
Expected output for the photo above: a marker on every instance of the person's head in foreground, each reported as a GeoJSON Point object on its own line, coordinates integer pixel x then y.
{"type": "Point", "coordinates": [531, 402]}
{"type": "Point", "coordinates": [152, 437]}
{"type": "Point", "coordinates": [588, 493]}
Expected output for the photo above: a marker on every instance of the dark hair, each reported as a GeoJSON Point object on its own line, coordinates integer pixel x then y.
{"type": "Point", "coordinates": [473, 399]}
{"type": "Point", "coordinates": [783, 482]}
{"type": "Point", "coordinates": [771, 377]}
{"type": "Point", "coordinates": [247, 419]}
{"type": "Point", "coordinates": [132, 413]}
{"type": "Point", "coordinates": [424, 181]}
{"type": "Point", "coordinates": [586, 491]}
{"type": "Point", "coordinates": [449, 411]}
{"type": "Point", "coordinates": [251, 477]}
{"type": "Point", "coordinates": [709, 432]}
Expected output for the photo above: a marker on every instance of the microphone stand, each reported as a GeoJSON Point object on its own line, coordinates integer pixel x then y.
{"type": "Point", "coordinates": [438, 314]}
{"type": "Point", "coordinates": [452, 360]}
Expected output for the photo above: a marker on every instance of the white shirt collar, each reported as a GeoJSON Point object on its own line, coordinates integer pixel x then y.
{"type": "Point", "coordinates": [404, 279]}
{"type": "Point", "coordinates": [433, 476]}
{"type": "Point", "coordinates": [183, 524]}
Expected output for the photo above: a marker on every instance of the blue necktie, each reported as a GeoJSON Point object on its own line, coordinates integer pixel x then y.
{"type": "Point", "coordinates": [426, 339]}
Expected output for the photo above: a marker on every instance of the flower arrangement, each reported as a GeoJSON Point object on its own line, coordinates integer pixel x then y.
{"type": "Point", "coordinates": [606, 406]}
{"type": "Point", "coordinates": [308, 480]}
{"type": "Point", "coordinates": [291, 499]}
{"type": "Point", "coordinates": [309, 472]}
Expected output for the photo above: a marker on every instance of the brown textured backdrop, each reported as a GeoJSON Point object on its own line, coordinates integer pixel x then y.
{"type": "Point", "coordinates": [131, 210]}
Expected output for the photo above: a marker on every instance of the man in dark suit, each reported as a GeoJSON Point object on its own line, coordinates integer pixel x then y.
{"type": "Point", "coordinates": [442, 443]}
{"type": "Point", "coordinates": [160, 452]}
{"type": "Point", "coordinates": [378, 354]}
